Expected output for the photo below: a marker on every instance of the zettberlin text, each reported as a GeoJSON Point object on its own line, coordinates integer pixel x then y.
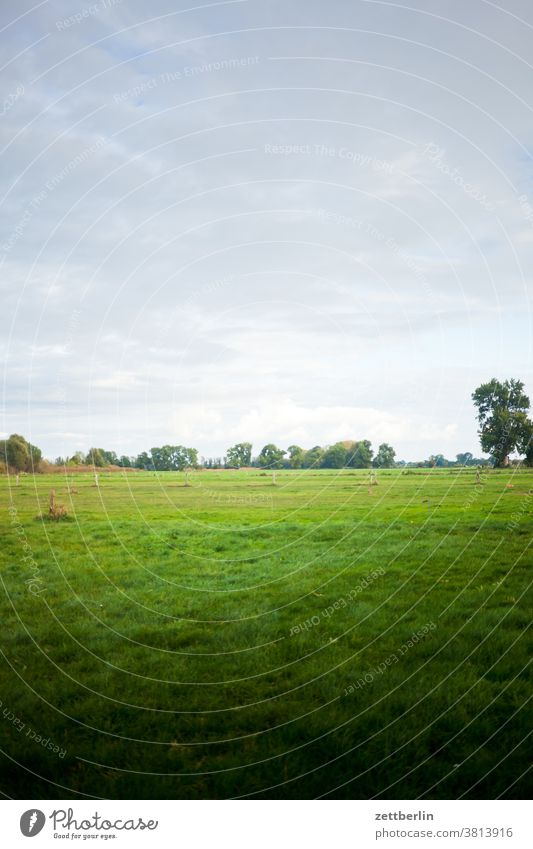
{"type": "Point", "coordinates": [399, 815]}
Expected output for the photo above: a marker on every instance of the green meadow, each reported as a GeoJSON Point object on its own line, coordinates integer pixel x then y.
{"type": "Point", "coordinates": [236, 637]}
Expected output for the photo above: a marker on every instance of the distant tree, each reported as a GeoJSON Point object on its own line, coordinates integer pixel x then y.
{"type": "Point", "coordinates": [504, 426]}
{"type": "Point", "coordinates": [20, 454]}
{"type": "Point", "coordinates": [464, 459]}
{"type": "Point", "coordinates": [360, 456]}
{"type": "Point", "coordinates": [35, 457]}
{"type": "Point", "coordinates": [144, 461]}
{"type": "Point", "coordinates": [95, 457]}
{"type": "Point", "coordinates": [110, 457]}
{"type": "Point", "coordinates": [437, 460]}
{"type": "Point", "coordinates": [313, 458]}
{"type": "Point", "coordinates": [16, 452]}
{"type": "Point", "coordinates": [191, 458]}
{"type": "Point", "coordinates": [161, 457]}
{"type": "Point", "coordinates": [173, 458]}
{"type": "Point", "coordinates": [384, 459]}
{"type": "Point", "coordinates": [239, 455]}
{"type": "Point", "coordinates": [296, 456]}
{"type": "Point", "coordinates": [334, 457]}
{"type": "Point", "coordinates": [271, 457]}
{"type": "Point", "coordinates": [77, 459]}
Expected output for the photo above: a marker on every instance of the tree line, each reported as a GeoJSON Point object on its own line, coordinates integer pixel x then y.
{"type": "Point", "coordinates": [504, 428]}
{"type": "Point", "coordinates": [24, 457]}
{"type": "Point", "coordinates": [176, 458]}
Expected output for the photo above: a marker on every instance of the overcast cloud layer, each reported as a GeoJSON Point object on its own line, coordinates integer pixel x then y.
{"type": "Point", "coordinates": [272, 221]}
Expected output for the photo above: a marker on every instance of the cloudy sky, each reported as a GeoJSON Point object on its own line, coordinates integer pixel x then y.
{"type": "Point", "coordinates": [264, 220]}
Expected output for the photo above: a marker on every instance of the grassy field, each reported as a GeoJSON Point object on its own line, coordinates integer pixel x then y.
{"type": "Point", "coordinates": [236, 638]}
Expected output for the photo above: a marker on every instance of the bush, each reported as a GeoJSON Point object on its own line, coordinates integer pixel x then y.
{"type": "Point", "coordinates": [56, 512]}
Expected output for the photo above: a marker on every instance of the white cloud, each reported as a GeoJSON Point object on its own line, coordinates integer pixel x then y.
{"type": "Point", "coordinates": [319, 425]}
{"type": "Point", "coordinates": [117, 380]}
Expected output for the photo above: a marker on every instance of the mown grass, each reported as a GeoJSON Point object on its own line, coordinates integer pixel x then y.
{"type": "Point", "coordinates": [158, 637]}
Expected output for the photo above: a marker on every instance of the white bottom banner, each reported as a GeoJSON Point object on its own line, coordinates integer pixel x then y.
{"type": "Point", "coordinates": [263, 824]}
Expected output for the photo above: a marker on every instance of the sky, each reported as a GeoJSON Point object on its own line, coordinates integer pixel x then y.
{"type": "Point", "coordinates": [289, 222]}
